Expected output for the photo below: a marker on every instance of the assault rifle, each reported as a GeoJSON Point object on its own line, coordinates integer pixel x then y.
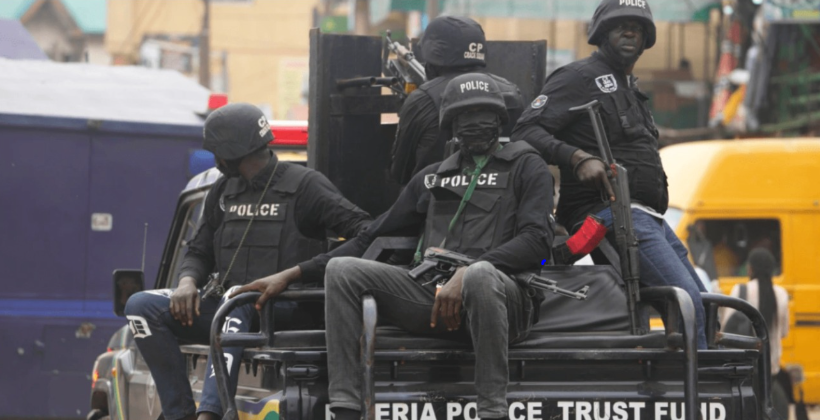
{"type": "Point", "coordinates": [445, 263]}
{"type": "Point", "coordinates": [621, 215]}
{"type": "Point", "coordinates": [409, 72]}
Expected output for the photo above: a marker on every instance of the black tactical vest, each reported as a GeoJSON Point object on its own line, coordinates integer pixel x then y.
{"type": "Point", "coordinates": [488, 220]}
{"type": "Point", "coordinates": [274, 242]}
{"type": "Point", "coordinates": [633, 138]}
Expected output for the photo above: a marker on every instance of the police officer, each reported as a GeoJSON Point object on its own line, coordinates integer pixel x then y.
{"type": "Point", "coordinates": [622, 30]}
{"type": "Point", "coordinates": [485, 201]}
{"type": "Point", "coordinates": [263, 218]}
{"type": "Point", "coordinates": [450, 46]}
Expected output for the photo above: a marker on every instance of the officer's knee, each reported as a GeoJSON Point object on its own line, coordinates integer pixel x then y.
{"type": "Point", "coordinates": [137, 303]}
{"type": "Point", "coordinates": [479, 279]}
{"type": "Point", "coordinates": [340, 271]}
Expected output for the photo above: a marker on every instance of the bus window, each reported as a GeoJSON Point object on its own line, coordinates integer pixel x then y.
{"type": "Point", "coordinates": [721, 246]}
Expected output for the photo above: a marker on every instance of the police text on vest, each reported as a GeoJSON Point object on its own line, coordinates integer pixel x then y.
{"type": "Point", "coordinates": [249, 210]}
{"type": "Point", "coordinates": [464, 180]}
{"type": "Point", "coordinates": [475, 85]}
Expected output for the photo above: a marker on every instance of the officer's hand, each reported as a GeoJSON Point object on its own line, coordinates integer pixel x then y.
{"type": "Point", "coordinates": [448, 302]}
{"type": "Point", "coordinates": [185, 301]}
{"type": "Point", "coordinates": [270, 286]}
{"type": "Point", "coordinates": [592, 173]}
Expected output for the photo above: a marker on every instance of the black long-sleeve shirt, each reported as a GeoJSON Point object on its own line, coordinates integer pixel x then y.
{"type": "Point", "coordinates": [417, 137]}
{"type": "Point", "coordinates": [533, 231]}
{"type": "Point", "coordinates": [549, 126]}
{"type": "Point", "coordinates": [320, 207]}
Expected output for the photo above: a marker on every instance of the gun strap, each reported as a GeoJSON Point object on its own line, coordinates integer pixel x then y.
{"type": "Point", "coordinates": [480, 163]}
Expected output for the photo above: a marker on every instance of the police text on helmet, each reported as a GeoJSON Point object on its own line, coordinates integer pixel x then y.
{"type": "Point", "coordinates": [474, 51]}
{"type": "Point", "coordinates": [634, 3]}
{"type": "Point", "coordinates": [475, 85]}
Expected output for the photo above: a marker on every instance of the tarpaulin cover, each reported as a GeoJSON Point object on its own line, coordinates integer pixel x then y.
{"type": "Point", "coordinates": [87, 91]}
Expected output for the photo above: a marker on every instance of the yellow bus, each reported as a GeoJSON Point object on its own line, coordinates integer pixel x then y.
{"type": "Point", "coordinates": [728, 197]}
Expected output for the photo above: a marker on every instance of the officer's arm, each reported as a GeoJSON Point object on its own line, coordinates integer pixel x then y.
{"type": "Point", "coordinates": [531, 244]}
{"type": "Point", "coordinates": [549, 113]}
{"type": "Point", "coordinates": [199, 260]}
{"type": "Point", "coordinates": [405, 218]}
{"type": "Point", "coordinates": [321, 207]}
{"type": "Point", "coordinates": [416, 134]}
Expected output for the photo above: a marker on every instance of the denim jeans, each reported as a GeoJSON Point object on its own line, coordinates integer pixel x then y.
{"type": "Point", "coordinates": [496, 312]}
{"type": "Point", "coordinates": [664, 261]}
{"type": "Point", "coordinates": [158, 336]}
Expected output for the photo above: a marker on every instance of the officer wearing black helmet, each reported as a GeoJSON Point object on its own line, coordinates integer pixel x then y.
{"type": "Point", "coordinates": [486, 201]}
{"type": "Point", "coordinates": [264, 219]}
{"type": "Point", "coordinates": [450, 46]}
{"type": "Point", "coordinates": [622, 30]}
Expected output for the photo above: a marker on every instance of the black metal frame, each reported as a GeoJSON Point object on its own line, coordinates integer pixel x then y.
{"type": "Point", "coordinates": [263, 338]}
{"type": "Point", "coordinates": [680, 312]}
{"type": "Point", "coordinates": [716, 339]}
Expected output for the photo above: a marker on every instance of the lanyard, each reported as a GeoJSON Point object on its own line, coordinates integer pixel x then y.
{"type": "Point", "coordinates": [480, 163]}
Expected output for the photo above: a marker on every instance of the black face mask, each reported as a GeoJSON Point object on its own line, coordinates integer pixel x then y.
{"type": "Point", "coordinates": [476, 132]}
{"type": "Point", "coordinates": [230, 169]}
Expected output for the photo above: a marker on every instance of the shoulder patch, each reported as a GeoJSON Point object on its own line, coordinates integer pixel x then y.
{"type": "Point", "coordinates": [607, 83]}
{"type": "Point", "coordinates": [539, 102]}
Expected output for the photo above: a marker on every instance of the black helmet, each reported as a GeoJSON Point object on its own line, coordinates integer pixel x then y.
{"type": "Point", "coordinates": [235, 131]}
{"type": "Point", "coordinates": [610, 11]}
{"type": "Point", "coordinates": [453, 41]}
{"type": "Point", "coordinates": [468, 91]}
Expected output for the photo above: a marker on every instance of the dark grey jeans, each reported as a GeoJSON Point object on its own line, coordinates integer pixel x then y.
{"type": "Point", "coordinates": [495, 312]}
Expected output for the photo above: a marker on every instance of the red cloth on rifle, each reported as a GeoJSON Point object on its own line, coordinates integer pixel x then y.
{"type": "Point", "coordinates": [588, 236]}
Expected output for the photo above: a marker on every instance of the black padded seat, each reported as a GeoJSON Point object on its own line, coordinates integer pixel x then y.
{"type": "Point", "coordinates": [600, 321]}
{"type": "Point", "coordinates": [392, 338]}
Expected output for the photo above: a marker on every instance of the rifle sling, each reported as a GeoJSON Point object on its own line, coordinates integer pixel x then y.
{"type": "Point", "coordinates": [481, 162]}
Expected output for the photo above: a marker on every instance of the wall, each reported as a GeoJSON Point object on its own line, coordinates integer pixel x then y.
{"type": "Point", "coordinates": [95, 50]}
{"type": "Point", "coordinates": [266, 43]}
{"type": "Point", "coordinates": [572, 35]}
{"type": "Point", "coordinates": [52, 36]}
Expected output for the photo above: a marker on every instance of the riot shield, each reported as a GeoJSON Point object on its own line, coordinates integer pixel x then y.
{"type": "Point", "coordinates": [346, 139]}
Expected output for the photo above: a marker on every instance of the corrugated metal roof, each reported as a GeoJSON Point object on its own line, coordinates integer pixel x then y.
{"type": "Point", "coordinates": [87, 91]}
{"type": "Point", "coordinates": [90, 15]}
{"type": "Point", "coordinates": [14, 9]}
{"type": "Point", "coordinates": [17, 43]}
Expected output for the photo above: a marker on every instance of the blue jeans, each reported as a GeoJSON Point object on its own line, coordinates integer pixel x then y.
{"type": "Point", "coordinates": [158, 336]}
{"type": "Point", "coordinates": [664, 261]}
